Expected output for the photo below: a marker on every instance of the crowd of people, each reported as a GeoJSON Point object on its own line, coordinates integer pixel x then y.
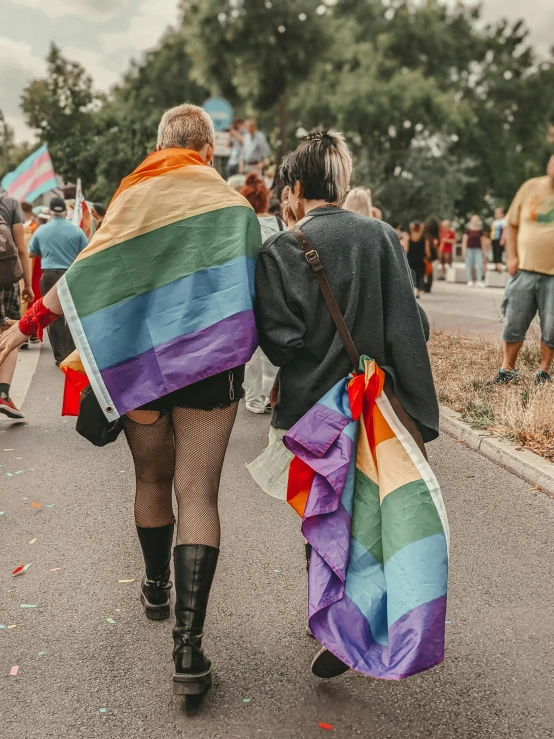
{"type": "Point", "coordinates": [287, 353]}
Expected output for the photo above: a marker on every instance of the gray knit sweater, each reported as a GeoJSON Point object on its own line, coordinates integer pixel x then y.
{"type": "Point", "coordinates": [366, 267]}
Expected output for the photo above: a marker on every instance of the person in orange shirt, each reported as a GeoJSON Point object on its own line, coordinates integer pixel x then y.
{"type": "Point", "coordinates": [446, 247]}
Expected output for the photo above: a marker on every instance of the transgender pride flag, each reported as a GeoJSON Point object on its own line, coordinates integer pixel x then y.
{"type": "Point", "coordinates": [34, 176]}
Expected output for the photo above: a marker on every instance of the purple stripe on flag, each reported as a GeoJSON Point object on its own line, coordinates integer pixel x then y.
{"type": "Point", "coordinates": [329, 534]}
{"type": "Point", "coordinates": [416, 641]}
{"type": "Point", "coordinates": [315, 432]}
{"type": "Point", "coordinates": [182, 361]}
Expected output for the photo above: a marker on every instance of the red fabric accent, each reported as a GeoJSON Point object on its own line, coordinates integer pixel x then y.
{"type": "Point", "coordinates": [36, 319]}
{"type": "Point", "coordinates": [37, 274]}
{"type": "Point", "coordinates": [75, 383]}
{"type": "Point", "coordinates": [356, 388]}
{"type": "Point", "coordinates": [301, 477]}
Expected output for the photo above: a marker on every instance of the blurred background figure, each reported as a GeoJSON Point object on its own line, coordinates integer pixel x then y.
{"type": "Point", "coordinates": [98, 212]}
{"type": "Point", "coordinates": [473, 248]}
{"type": "Point", "coordinates": [498, 227]}
{"type": "Point", "coordinates": [358, 200]}
{"type": "Point", "coordinates": [447, 241]}
{"type": "Point", "coordinates": [255, 149]}
{"type": "Point", "coordinates": [431, 234]}
{"type": "Point", "coordinates": [415, 248]}
{"type": "Point", "coordinates": [237, 181]}
{"type": "Point", "coordinates": [260, 374]}
{"type": "Point", "coordinates": [234, 143]}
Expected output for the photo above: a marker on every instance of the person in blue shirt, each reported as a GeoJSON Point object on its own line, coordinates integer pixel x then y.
{"type": "Point", "coordinates": [58, 243]}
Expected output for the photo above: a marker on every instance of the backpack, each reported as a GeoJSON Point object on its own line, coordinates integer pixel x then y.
{"type": "Point", "coordinates": [11, 270]}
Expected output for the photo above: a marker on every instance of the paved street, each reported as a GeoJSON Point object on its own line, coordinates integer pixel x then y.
{"type": "Point", "coordinates": [497, 680]}
{"type": "Point", "coordinates": [457, 308]}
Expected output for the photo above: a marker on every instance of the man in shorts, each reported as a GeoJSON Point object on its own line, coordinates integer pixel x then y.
{"type": "Point", "coordinates": [10, 299]}
{"type": "Point", "coordinates": [529, 238]}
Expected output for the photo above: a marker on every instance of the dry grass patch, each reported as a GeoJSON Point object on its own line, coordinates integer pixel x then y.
{"type": "Point", "coordinates": [463, 366]}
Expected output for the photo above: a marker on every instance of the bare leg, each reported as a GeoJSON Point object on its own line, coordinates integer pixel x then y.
{"type": "Point", "coordinates": [511, 352]}
{"type": "Point", "coordinates": [547, 355]}
{"type": "Point", "coordinates": [8, 368]}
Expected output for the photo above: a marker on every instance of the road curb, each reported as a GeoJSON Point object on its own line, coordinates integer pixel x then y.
{"type": "Point", "coordinates": [525, 464]}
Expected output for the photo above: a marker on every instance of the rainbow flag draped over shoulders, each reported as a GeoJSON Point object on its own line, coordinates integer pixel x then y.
{"type": "Point", "coordinates": [372, 510]}
{"type": "Point", "coordinates": [163, 295]}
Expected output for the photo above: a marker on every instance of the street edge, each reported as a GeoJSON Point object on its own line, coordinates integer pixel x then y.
{"type": "Point", "coordinates": [525, 464]}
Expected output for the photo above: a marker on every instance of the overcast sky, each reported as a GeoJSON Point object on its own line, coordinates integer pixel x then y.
{"type": "Point", "coordinates": [105, 34]}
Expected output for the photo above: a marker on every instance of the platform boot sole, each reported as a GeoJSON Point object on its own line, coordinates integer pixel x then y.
{"type": "Point", "coordinates": [196, 684]}
{"type": "Point", "coordinates": [154, 612]}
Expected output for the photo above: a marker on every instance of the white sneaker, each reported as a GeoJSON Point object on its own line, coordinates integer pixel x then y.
{"type": "Point", "coordinates": [481, 284]}
{"type": "Point", "coordinates": [255, 408]}
{"type": "Point", "coordinates": [470, 283]}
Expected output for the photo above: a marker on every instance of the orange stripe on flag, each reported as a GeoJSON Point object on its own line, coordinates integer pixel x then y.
{"type": "Point", "coordinates": [301, 477]}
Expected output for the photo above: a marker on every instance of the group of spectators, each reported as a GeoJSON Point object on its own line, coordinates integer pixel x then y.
{"type": "Point", "coordinates": [42, 246]}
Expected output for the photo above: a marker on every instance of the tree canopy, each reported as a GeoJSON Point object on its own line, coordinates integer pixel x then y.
{"type": "Point", "coordinates": [443, 113]}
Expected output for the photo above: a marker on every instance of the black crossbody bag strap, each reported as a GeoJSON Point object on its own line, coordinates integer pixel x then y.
{"type": "Point", "coordinates": [312, 257]}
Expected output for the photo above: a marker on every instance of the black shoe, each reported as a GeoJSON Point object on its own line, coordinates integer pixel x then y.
{"type": "Point", "coordinates": [25, 345]}
{"type": "Point", "coordinates": [195, 566]}
{"type": "Point", "coordinates": [505, 377]}
{"type": "Point", "coordinates": [326, 665]}
{"type": "Point", "coordinates": [542, 377]}
{"type": "Point", "coordinates": [156, 586]}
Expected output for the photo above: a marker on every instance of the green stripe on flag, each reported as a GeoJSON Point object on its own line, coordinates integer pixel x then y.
{"type": "Point", "coordinates": [152, 260]}
{"type": "Point", "coordinates": [408, 514]}
{"type": "Point", "coordinates": [366, 515]}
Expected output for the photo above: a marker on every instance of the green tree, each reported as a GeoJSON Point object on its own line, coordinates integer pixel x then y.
{"type": "Point", "coordinates": [255, 53]}
{"type": "Point", "coordinates": [61, 107]}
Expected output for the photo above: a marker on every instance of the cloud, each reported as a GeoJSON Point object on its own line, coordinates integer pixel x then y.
{"type": "Point", "coordinates": [88, 9]}
{"type": "Point", "coordinates": [95, 65]}
{"type": "Point", "coordinates": [19, 66]}
{"type": "Point", "coordinates": [145, 29]}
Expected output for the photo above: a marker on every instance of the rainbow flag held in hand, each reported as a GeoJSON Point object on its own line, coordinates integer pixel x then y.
{"type": "Point", "coordinates": [372, 510]}
{"type": "Point", "coordinates": [162, 296]}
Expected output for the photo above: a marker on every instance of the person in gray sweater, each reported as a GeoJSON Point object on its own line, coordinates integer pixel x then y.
{"type": "Point", "coordinates": [367, 270]}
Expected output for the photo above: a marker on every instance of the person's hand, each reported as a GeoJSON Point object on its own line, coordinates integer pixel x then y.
{"type": "Point", "coordinates": [512, 263]}
{"type": "Point", "coordinates": [274, 395]}
{"type": "Point", "coordinates": [10, 340]}
{"type": "Point", "coordinates": [27, 294]}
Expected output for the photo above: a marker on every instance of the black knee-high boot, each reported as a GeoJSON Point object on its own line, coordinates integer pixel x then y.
{"type": "Point", "coordinates": [194, 572]}
{"type": "Point", "coordinates": [155, 587]}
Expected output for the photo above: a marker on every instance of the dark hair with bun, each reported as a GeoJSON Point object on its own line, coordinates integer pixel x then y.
{"type": "Point", "coordinates": [255, 191]}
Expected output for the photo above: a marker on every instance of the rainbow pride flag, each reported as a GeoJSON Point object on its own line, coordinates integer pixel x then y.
{"type": "Point", "coordinates": [372, 510]}
{"type": "Point", "coordinates": [34, 176]}
{"type": "Point", "coordinates": [163, 294]}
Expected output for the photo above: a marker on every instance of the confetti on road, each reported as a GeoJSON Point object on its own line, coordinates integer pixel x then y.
{"type": "Point", "coordinates": [276, 570]}
{"type": "Point", "coordinates": [19, 472]}
{"type": "Point", "coordinates": [11, 590]}
{"type": "Point", "coordinates": [32, 541]}
{"type": "Point", "coordinates": [246, 700]}
{"type": "Point", "coordinates": [110, 620]}
{"type": "Point", "coordinates": [18, 458]}
{"type": "Point", "coordinates": [326, 726]}
{"type": "Point", "coordinates": [2, 627]}
{"type": "Point", "coordinates": [28, 605]}
{"type": "Point", "coordinates": [118, 610]}
{"type": "Point", "coordinates": [26, 567]}
{"type": "Point", "coordinates": [51, 505]}
{"type": "Point", "coordinates": [1, 513]}
{"type": "Point", "coordinates": [133, 580]}
{"type": "Point", "coordinates": [40, 654]}
{"type": "Point", "coordinates": [55, 569]}
{"type": "Point", "coordinates": [9, 474]}
{"type": "Point", "coordinates": [103, 710]}
{"type": "Point", "coordinates": [9, 450]}
{"type": "Point", "coordinates": [12, 626]}
{"type": "Point", "coordinates": [18, 570]}
{"type": "Point", "coordinates": [34, 504]}
{"type": "Point", "coordinates": [448, 623]}
{"type": "Point", "coordinates": [14, 670]}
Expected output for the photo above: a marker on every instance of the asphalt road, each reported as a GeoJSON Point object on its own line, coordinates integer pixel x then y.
{"type": "Point", "coordinates": [497, 680]}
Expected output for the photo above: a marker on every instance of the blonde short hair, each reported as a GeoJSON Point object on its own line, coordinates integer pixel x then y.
{"type": "Point", "coordinates": [185, 127]}
{"type": "Point", "coordinates": [358, 200]}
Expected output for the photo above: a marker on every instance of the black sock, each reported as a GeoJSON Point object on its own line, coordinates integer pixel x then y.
{"type": "Point", "coordinates": [4, 390]}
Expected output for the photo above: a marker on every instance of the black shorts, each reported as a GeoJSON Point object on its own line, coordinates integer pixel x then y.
{"type": "Point", "coordinates": [217, 391]}
{"type": "Point", "coordinates": [497, 251]}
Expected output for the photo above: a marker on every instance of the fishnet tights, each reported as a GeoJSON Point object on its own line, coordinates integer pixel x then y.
{"type": "Point", "coordinates": [187, 447]}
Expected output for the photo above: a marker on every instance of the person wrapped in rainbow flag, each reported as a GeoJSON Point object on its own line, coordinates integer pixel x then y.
{"type": "Point", "coordinates": [160, 306]}
{"type": "Point", "coordinates": [347, 439]}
